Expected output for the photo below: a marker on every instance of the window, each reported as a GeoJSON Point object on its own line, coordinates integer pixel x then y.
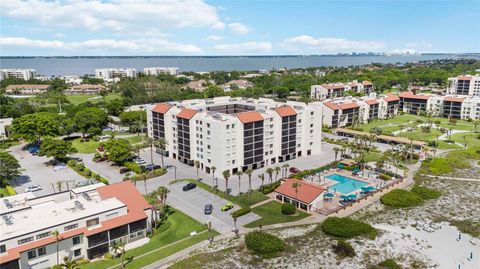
{"type": "Point", "coordinates": [77, 252]}
{"type": "Point", "coordinates": [41, 251]}
{"type": "Point", "coordinates": [311, 113]}
{"type": "Point", "coordinates": [233, 126]}
{"type": "Point", "coordinates": [92, 222]}
{"type": "Point", "coordinates": [42, 235]}
{"type": "Point", "coordinates": [3, 249]}
{"type": "Point", "coordinates": [70, 227]}
{"type": "Point", "coordinates": [76, 240]}
{"type": "Point", "coordinates": [25, 240]}
{"type": "Point", "coordinates": [208, 125]}
{"type": "Point", "coordinates": [32, 254]}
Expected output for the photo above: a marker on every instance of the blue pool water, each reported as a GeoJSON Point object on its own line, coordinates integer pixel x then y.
{"type": "Point", "coordinates": [345, 184]}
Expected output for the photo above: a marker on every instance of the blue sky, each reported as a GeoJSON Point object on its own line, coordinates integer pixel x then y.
{"type": "Point", "coordinates": [196, 27]}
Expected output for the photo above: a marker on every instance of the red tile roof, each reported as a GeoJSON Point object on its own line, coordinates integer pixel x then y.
{"type": "Point", "coordinates": [249, 116]}
{"type": "Point", "coordinates": [333, 86]}
{"type": "Point", "coordinates": [390, 98]}
{"type": "Point", "coordinates": [454, 99]}
{"type": "Point", "coordinates": [464, 78]}
{"type": "Point", "coordinates": [285, 111]}
{"type": "Point", "coordinates": [366, 83]}
{"type": "Point", "coordinates": [187, 113]}
{"type": "Point", "coordinates": [331, 105]}
{"type": "Point", "coordinates": [307, 192]}
{"type": "Point", "coordinates": [161, 108]}
{"type": "Point", "coordinates": [371, 102]}
{"type": "Point", "coordinates": [348, 106]}
{"type": "Point", "coordinates": [127, 193]}
{"type": "Point", "coordinates": [413, 96]}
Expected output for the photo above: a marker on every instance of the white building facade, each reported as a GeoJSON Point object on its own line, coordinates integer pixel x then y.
{"type": "Point", "coordinates": [235, 134]}
{"type": "Point", "coordinates": [155, 71]}
{"type": "Point", "coordinates": [464, 85]}
{"type": "Point", "coordinates": [88, 219]}
{"type": "Point", "coordinates": [25, 74]}
{"type": "Point", "coordinates": [111, 73]}
{"type": "Point", "coordinates": [339, 89]}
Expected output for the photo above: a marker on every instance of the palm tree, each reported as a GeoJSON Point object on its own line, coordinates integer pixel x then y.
{"type": "Point", "coordinates": [249, 174]}
{"type": "Point", "coordinates": [56, 234]}
{"type": "Point", "coordinates": [144, 178]}
{"type": "Point", "coordinates": [262, 178]}
{"type": "Point", "coordinates": [59, 185]}
{"type": "Point", "coordinates": [119, 246]}
{"type": "Point", "coordinates": [336, 150]}
{"type": "Point", "coordinates": [235, 224]}
{"type": "Point", "coordinates": [239, 174]}
{"type": "Point", "coordinates": [153, 202]}
{"type": "Point", "coordinates": [137, 148]}
{"type": "Point", "coordinates": [162, 192]}
{"type": "Point", "coordinates": [213, 175]}
{"type": "Point", "coordinates": [161, 143]}
{"type": "Point", "coordinates": [197, 166]}
{"type": "Point", "coordinates": [69, 263]}
{"type": "Point", "coordinates": [226, 176]}
{"type": "Point", "coordinates": [150, 142]}
{"type": "Point", "coordinates": [296, 185]}
{"type": "Point", "coordinates": [270, 172]}
{"type": "Point", "coordinates": [277, 170]}
{"type": "Point", "coordinates": [286, 169]}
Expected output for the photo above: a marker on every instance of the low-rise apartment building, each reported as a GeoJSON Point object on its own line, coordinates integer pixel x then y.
{"type": "Point", "coordinates": [235, 134]}
{"type": "Point", "coordinates": [464, 85]}
{"type": "Point", "coordinates": [339, 89]}
{"type": "Point", "coordinates": [111, 73]}
{"type": "Point", "coordinates": [88, 220]}
{"type": "Point", "coordinates": [85, 89]}
{"type": "Point", "coordinates": [237, 84]}
{"type": "Point", "coordinates": [25, 74]}
{"type": "Point", "coordinates": [389, 106]}
{"type": "Point", "coordinates": [155, 71]}
{"type": "Point", "coordinates": [27, 89]}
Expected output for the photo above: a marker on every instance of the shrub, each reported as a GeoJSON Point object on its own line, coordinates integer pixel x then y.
{"type": "Point", "coordinates": [72, 163]}
{"type": "Point", "coordinates": [384, 177]}
{"type": "Point", "coordinates": [401, 198]}
{"type": "Point", "coordinates": [242, 211]}
{"type": "Point", "coordinates": [270, 187]}
{"type": "Point", "coordinates": [288, 209]}
{"type": "Point", "coordinates": [10, 190]}
{"type": "Point", "coordinates": [108, 256]}
{"type": "Point", "coordinates": [347, 228]}
{"type": "Point", "coordinates": [79, 166]}
{"type": "Point", "coordinates": [389, 264]}
{"type": "Point", "coordinates": [344, 249]}
{"type": "Point", "coordinates": [264, 244]}
{"type": "Point", "coordinates": [82, 261]}
{"type": "Point", "coordinates": [87, 172]}
{"type": "Point", "coordinates": [426, 193]}
{"type": "Point", "coordinates": [313, 171]}
{"type": "Point", "coordinates": [437, 122]}
{"type": "Point", "coordinates": [134, 167]}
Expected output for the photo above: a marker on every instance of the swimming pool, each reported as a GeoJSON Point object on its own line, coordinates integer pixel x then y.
{"type": "Point", "coordinates": [345, 184]}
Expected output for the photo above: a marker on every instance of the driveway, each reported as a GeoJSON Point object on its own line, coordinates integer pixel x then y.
{"type": "Point", "coordinates": [193, 202]}
{"type": "Point", "coordinates": [35, 171]}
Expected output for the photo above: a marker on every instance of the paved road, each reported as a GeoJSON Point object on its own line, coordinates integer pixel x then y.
{"type": "Point", "coordinates": [106, 169]}
{"type": "Point", "coordinates": [35, 171]}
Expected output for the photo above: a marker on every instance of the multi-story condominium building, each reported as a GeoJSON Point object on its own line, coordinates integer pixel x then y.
{"type": "Point", "coordinates": [464, 85]}
{"type": "Point", "coordinates": [88, 219]}
{"type": "Point", "coordinates": [452, 107]}
{"type": "Point", "coordinates": [155, 71]}
{"type": "Point", "coordinates": [235, 134]}
{"type": "Point", "coordinates": [110, 73]}
{"type": "Point", "coordinates": [388, 106]}
{"type": "Point", "coordinates": [338, 89]}
{"type": "Point", "coordinates": [26, 74]}
{"type": "Point", "coordinates": [26, 89]}
{"type": "Point", "coordinates": [471, 108]}
{"type": "Point", "coordinates": [412, 103]}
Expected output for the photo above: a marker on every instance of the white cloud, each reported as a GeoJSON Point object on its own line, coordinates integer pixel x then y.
{"type": "Point", "coordinates": [239, 28]}
{"type": "Point", "coordinates": [247, 47]}
{"type": "Point", "coordinates": [335, 44]}
{"type": "Point", "coordinates": [214, 37]}
{"type": "Point", "coordinates": [116, 15]}
{"type": "Point", "coordinates": [104, 46]}
{"type": "Point", "coordinates": [422, 44]}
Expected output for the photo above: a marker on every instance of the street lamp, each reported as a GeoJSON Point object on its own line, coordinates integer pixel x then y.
{"type": "Point", "coordinates": [175, 171]}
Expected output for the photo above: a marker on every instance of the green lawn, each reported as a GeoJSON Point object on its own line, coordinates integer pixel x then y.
{"type": "Point", "coordinates": [91, 146]}
{"type": "Point", "coordinates": [372, 157]}
{"type": "Point", "coordinates": [271, 214]}
{"type": "Point", "coordinates": [390, 125]}
{"type": "Point", "coordinates": [470, 138]}
{"type": "Point", "coordinates": [80, 98]}
{"type": "Point", "coordinates": [419, 135]}
{"type": "Point", "coordinates": [244, 200]}
{"type": "Point", "coordinates": [178, 226]}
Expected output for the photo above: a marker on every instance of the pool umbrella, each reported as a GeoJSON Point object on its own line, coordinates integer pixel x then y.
{"type": "Point", "coordinates": [356, 170]}
{"type": "Point", "coordinates": [365, 188]}
{"type": "Point", "coordinates": [352, 196]}
{"type": "Point", "coordinates": [370, 188]}
{"type": "Point", "coordinates": [344, 197]}
{"type": "Point", "coordinates": [340, 165]}
{"type": "Point", "coordinates": [328, 194]}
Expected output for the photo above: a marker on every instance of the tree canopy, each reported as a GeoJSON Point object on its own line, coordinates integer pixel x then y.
{"type": "Point", "coordinates": [33, 127]}
{"type": "Point", "coordinates": [9, 168]}
{"type": "Point", "coordinates": [118, 150]}
{"type": "Point", "coordinates": [57, 148]}
{"type": "Point", "coordinates": [90, 120]}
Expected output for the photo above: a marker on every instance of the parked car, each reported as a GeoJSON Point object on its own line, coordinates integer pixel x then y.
{"type": "Point", "coordinates": [107, 129]}
{"type": "Point", "coordinates": [189, 186]}
{"type": "Point", "coordinates": [227, 207]}
{"type": "Point", "coordinates": [208, 209]}
{"type": "Point", "coordinates": [101, 159]}
{"type": "Point", "coordinates": [33, 188]}
{"type": "Point", "coordinates": [125, 170]}
{"type": "Point", "coordinates": [294, 170]}
{"type": "Point", "coordinates": [151, 167]}
{"type": "Point", "coordinates": [59, 167]}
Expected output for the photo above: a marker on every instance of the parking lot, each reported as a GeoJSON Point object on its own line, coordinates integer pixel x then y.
{"type": "Point", "coordinates": [34, 171]}
{"type": "Point", "coordinates": [193, 202]}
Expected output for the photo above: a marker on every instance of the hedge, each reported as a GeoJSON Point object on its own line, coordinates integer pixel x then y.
{"type": "Point", "coordinates": [10, 190]}
{"type": "Point", "coordinates": [154, 173]}
{"type": "Point", "coordinates": [270, 187]}
{"type": "Point", "coordinates": [242, 211]}
{"type": "Point", "coordinates": [426, 193]}
{"type": "Point", "coordinates": [347, 228]}
{"type": "Point", "coordinates": [303, 173]}
{"type": "Point", "coordinates": [264, 244]}
{"type": "Point", "coordinates": [401, 198]}
{"type": "Point", "coordinates": [85, 172]}
{"type": "Point", "coordinates": [288, 209]}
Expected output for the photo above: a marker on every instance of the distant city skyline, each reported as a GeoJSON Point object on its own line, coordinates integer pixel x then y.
{"type": "Point", "coordinates": [202, 28]}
